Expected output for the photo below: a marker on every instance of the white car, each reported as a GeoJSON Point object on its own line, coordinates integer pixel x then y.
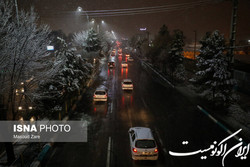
{"type": "Point", "coordinates": [127, 55]}
{"type": "Point", "coordinates": [130, 58]}
{"type": "Point", "coordinates": [142, 144]}
{"type": "Point", "coordinates": [127, 84]}
{"type": "Point", "coordinates": [124, 64]}
{"type": "Point", "coordinates": [100, 95]}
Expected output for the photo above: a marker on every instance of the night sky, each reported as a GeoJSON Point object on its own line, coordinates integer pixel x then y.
{"type": "Point", "coordinates": [60, 14]}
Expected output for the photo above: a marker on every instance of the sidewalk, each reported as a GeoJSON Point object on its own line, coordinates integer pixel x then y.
{"type": "Point", "coordinates": [236, 119]}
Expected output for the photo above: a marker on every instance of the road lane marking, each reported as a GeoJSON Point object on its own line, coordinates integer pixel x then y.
{"type": "Point", "coordinates": [145, 104]}
{"type": "Point", "coordinates": [108, 153]}
{"type": "Point", "coordinates": [111, 107]}
{"type": "Point", "coordinates": [160, 75]}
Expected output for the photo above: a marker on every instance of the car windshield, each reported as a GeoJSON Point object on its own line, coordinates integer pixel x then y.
{"type": "Point", "coordinates": [145, 144]}
{"type": "Point", "coordinates": [100, 93]}
{"type": "Point", "coordinates": [127, 83]}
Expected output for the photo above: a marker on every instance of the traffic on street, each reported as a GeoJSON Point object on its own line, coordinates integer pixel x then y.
{"type": "Point", "coordinates": [172, 118]}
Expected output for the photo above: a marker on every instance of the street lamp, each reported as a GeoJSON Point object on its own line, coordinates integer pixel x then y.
{"type": "Point", "coordinates": [96, 24]}
{"type": "Point", "coordinates": [79, 9]}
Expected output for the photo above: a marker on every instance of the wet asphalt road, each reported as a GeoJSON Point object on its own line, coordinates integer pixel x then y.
{"type": "Point", "coordinates": [173, 117]}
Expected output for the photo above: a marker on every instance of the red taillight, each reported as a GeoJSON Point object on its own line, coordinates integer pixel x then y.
{"type": "Point", "coordinates": [94, 96]}
{"type": "Point", "coordinates": [134, 150]}
{"type": "Point", "coordinates": [106, 95]}
{"type": "Point", "coordinates": [156, 150]}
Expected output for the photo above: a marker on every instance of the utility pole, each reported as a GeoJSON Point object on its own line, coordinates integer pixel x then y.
{"type": "Point", "coordinates": [233, 30]}
{"type": "Point", "coordinates": [195, 36]}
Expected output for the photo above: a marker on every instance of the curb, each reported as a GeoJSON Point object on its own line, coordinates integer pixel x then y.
{"type": "Point", "coordinates": [155, 71]}
{"type": "Point", "coordinates": [45, 150]}
{"type": "Point", "coordinates": [41, 155]}
{"type": "Point", "coordinates": [219, 123]}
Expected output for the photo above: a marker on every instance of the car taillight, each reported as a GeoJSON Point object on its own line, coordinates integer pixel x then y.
{"type": "Point", "coordinates": [156, 150]}
{"type": "Point", "coordinates": [134, 150]}
{"type": "Point", "coordinates": [106, 95]}
{"type": "Point", "coordinates": [94, 96]}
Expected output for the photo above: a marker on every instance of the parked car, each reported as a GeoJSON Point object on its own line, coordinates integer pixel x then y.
{"type": "Point", "coordinates": [127, 84]}
{"type": "Point", "coordinates": [124, 64]}
{"type": "Point", "coordinates": [142, 144]}
{"type": "Point", "coordinates": [100, 94]}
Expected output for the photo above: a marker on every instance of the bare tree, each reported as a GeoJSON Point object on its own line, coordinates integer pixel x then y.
{"type": "Point", "coordinates": [22, 51]}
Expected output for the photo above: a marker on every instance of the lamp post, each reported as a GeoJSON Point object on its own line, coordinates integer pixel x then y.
{"type": "Point", "coordinates": [93, 21]}
{"type": "Point", "coordinates": [79, 9]}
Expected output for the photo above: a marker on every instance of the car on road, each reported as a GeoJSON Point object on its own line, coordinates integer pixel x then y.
{"type": "Point", "coordinates": [142, 144]}
{"type": "Point", "coordinates": [124, 64]}
{"type": "Point", "coordinates": [111, 64]}
{"type": "Point", "coordinates": [127, 84]}
{"type": "Point", "coordinates": [130, 58]}
{"type": "Point", "coordinates": [127, 55]}
{"type": "Point", "coordinates": [100, 94]}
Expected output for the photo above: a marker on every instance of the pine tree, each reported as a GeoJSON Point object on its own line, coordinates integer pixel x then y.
{"type": "Point", "coordinates": [89, 40]}
{"type": "Point", "coordinates": [93, 42]}
{"type": "Point", "coordinates": [213, 73]}
{"type": "Point", "coordinates": [175, 58]}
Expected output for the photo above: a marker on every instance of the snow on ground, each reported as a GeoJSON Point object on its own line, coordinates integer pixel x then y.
{"type": "Point", "coordinates": [236, 112]}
